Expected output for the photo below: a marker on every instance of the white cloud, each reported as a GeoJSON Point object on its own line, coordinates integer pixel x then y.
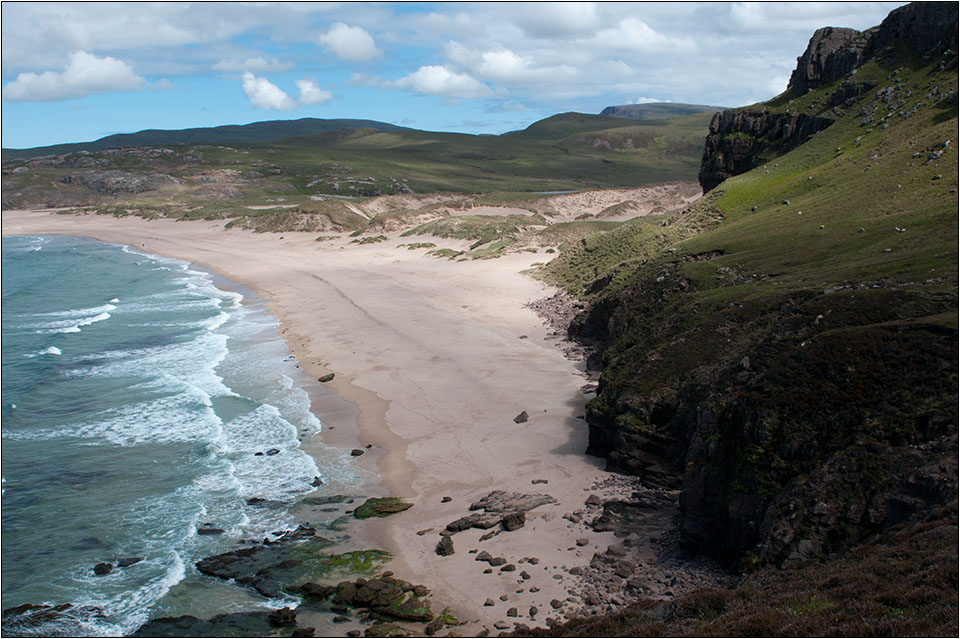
{"type": "Point", "coordinates": [633, 34]}
{"type": "Point", "coordinates": [350, 43]}
{"type": "Point", "coordinates": [84, 74]}
{"type": "Point", "coordinates": [646, 100]}
{"type": "Point", "coordinates": [265, 95]}
{"type": "Point", "coordinates": [311, 93]}
{"type": "Point", "coordinates": [557, 19]}
{"type": "Point", "coordinates": [439, 80]}
{"type": "Point", "coordinates": [254, 65]}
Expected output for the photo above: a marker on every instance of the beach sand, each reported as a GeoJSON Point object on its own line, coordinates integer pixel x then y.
{"type": "Point", "coordinates": [438, 357]}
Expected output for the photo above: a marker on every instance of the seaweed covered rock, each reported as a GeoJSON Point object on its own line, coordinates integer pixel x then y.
{"type": "Point", "coordinates": [381, 507]}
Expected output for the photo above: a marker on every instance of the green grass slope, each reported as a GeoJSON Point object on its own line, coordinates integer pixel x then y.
{"type": "Point", "coordinates": [567, 152]}
{"type": "Point", "coordinates": [784, 352]}
{"type": "Point", "coordinates": [229, 134]}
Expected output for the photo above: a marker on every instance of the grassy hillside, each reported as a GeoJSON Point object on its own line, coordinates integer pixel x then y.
{"type": "Point", "coordinates": [566, 152]}
{"type": "Point", "coordinates": [230, 134]}
{"type": "Point", "coordinates": [784, 352]}
{"type": "Point", "coordinates": [657, 110]}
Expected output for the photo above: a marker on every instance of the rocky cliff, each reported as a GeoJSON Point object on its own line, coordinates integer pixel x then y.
{"type": "Point", "coordinates": [740, 140]}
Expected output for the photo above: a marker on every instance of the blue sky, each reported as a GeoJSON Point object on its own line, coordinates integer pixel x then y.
{"type": "Point", "coordinates": [78, 71]}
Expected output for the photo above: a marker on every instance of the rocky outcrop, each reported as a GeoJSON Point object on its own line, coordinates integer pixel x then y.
{"type": "Point", "coordinates": [831, 54]}
{"type": "Point", "coordinates": [120, 182]}
{"type": "Point", "coordinates": [740, 140]}
{"type": "Point", "coordinates": [926, 28]}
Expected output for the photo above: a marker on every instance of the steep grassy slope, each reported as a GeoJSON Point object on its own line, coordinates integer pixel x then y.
{"type": "Point", "coordinates": [785, 352]}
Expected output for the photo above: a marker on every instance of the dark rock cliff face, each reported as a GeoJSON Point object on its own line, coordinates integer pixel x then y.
{"type": "Point", "coordinates": [831, 54]}
{"type": "Point", "coordinates": [739, 140]}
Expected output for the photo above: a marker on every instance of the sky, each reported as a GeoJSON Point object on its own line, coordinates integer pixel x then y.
{"type": "Point", "coordinates": [75, 71]}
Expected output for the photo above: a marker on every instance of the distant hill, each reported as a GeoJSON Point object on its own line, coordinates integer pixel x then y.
{"type": "Point", "coordinates": [229, 134]}
{"type": "Point", "coordinates": [656, 110]}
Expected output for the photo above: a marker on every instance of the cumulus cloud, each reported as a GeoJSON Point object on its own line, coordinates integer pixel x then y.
{"type": "Point", "coordinates": [645, 100]}
{"type": "Point", "coordinates": [311, 93]}
{"type": "Point", "coordinates": [350, 43]}
{"type": "Point", "coordinates": [439, 80]}
{"type": "Point", "coordinates": [254, 65]}
{"type": "Point", "coordinates": [633, 34]}
{"type": "Point", "coordinates": [266, 95]}
{"type": "Point", "coordinates": [84, 74]}
{"type": "Point", "coordinates": [557, 19]}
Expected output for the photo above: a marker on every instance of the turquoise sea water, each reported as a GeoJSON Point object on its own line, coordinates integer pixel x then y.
{"type": "Point", "coordinates": [136, 394]}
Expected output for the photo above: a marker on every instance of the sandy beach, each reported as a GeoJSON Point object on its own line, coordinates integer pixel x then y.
{"type": "Point", "coordinates": [438, 357]}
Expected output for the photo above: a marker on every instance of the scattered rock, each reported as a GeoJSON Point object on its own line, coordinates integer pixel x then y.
{"type": "Point", "coordinates": [521, 418]}
{"type": "Point", "coordinates": [533, 611]}
{"type": "Point", "coordinates": [209, 530]}
{"type": "Point", "coordinates": [273, 451]}
{"type": "Point", "coordinates": [123, 562]}
{"type": "Point", "coordinates": [446, 500]}
{"type": "Point", "coordinates": [320, 591]}
{"type": "Point", "coordinates": [490, 535]}
{"type": "Point", "coordinates": [539, 481]}
{"type": "Point", "coordinates": [326, 378]}
{"type": "Point", "coordinates": [489, 602]}
{"type": "Point", "coordinates": [445, 546]}
{"type": "Point", "coordinates": [303, 632]}
{"type": "Point", "coordinates": [381, 507]}
{"type": "Point", "coordinates": [509, 568]}
{"type": "Point", "coordinates": [497, 561]}
{"type": "Point", "coordinates": [356, 452]}
{"type": "Point", "coordinates": [593, 500]}
{"type": "Point", "coordinates": [103, 569]}
{"type": "Point", "coordinates": [513, 612]}
{"type": "Point", "coordinates": [583, 541]}
{"type": "Point", "coordinates": [513, 521]}
{"type": "Point", "coordinates": [284, 617]}
{"type": "Point", "coordinates": [556, 604]}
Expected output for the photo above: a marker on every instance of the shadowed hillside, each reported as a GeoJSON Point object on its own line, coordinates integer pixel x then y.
{"type": "Point", "coordinates": [784, 351]}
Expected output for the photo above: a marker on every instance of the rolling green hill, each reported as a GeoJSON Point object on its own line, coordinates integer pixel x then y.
{"type": "Point", "coordinates": [565, 152]}
{"type": "Point", "coordinates": [228, 134]}
{"type": "Point", "coordinates": [657, 110]}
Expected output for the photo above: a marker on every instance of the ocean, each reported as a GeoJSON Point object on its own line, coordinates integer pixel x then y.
{"type": "Point", "coordinates": [143, 399]}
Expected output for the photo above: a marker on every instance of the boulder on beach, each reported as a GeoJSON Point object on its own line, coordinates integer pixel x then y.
{"type": "Point", "coordinates": [445, 546]}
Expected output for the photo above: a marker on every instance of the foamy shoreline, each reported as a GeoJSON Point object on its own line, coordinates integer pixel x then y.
{"type": "Point", "coordinates": [438, 357]}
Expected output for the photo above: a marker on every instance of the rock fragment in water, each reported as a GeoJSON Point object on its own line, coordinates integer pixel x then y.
{"type": "Point", "coordinates": [103, 569]}
{"type": "Point", "coordinates": [123, 562]}
{"type": "Point", "coordinates": [209, 530]}
{"type": "Point", "coordinates": [356, 452]}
